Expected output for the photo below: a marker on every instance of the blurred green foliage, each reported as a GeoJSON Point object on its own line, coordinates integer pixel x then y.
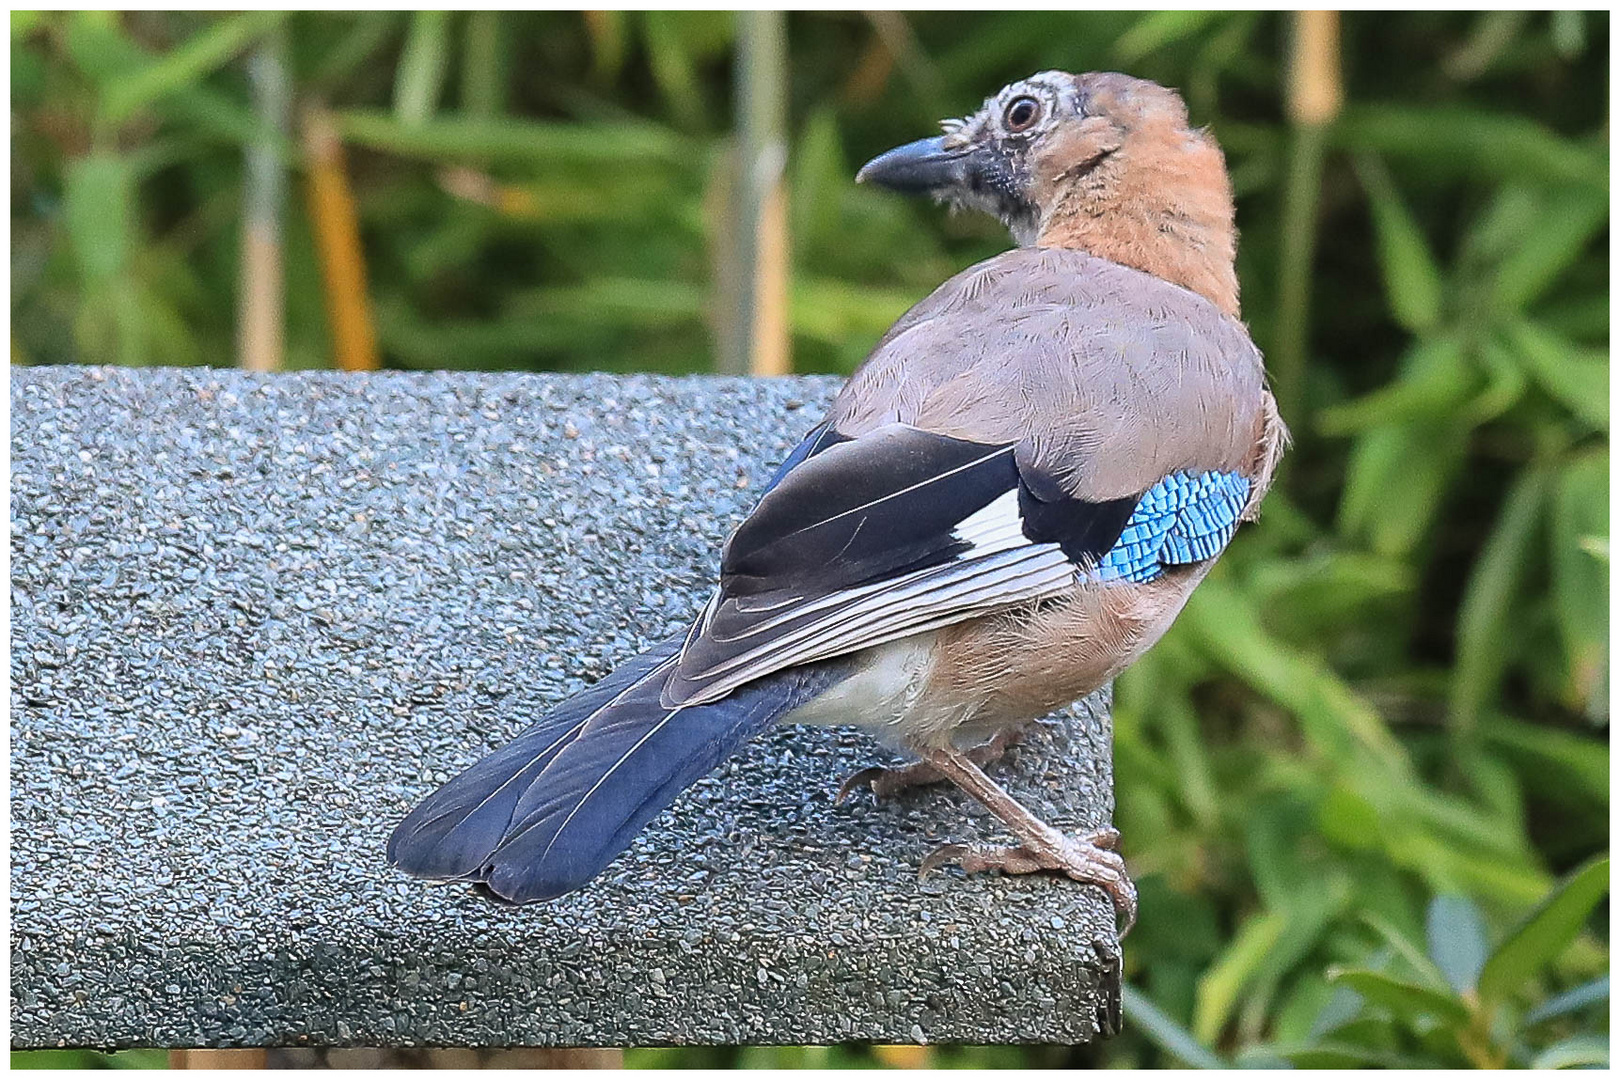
{"type": "Point", "coordinates": [1382, 721]}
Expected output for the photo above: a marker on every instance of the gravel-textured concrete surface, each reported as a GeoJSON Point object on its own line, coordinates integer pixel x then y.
{"type": "Point", "coordinates": [255, 618]}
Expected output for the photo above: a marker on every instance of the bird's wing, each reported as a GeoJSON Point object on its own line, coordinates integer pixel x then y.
{"type": "Point", "coordinates": [881, 537]}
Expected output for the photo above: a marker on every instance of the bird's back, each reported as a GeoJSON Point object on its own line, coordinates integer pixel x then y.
{"type": "Point", "coordinates": [1116, 378]}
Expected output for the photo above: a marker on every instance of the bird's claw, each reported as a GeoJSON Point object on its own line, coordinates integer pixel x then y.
{"type": "Point", "coordinates": [868, 776]}
{"type": "Point", "coordinates": [943, 855]}
{"type": "Point", "coordinates": [1091, 858]}
{"type": "Point", "coordinates": [887, 781]}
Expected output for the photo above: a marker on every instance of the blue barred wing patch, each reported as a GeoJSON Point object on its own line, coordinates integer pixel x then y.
{"type": "Point", "coordinates": [1182, 519]}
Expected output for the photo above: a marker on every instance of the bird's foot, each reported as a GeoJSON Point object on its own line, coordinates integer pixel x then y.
{"type": "Point", "coordinates": [1091, 858]}
{"type": "Point", "coordinates": [887, 781]}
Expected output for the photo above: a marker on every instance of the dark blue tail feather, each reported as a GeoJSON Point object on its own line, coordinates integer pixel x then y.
{"type": "Point", "coordinates": [451, 832]}
{"type": "Point", "coordinates": [546, 813]}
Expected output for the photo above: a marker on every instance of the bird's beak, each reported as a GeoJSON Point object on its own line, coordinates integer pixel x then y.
{"type": "Point", "coordinates": [927, 165]}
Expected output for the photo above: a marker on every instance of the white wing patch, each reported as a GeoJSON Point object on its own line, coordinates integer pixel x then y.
{"type": "Point", "coordinates": [997, 527]}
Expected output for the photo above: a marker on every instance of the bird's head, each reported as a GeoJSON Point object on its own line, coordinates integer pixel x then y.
{"type": "Point", "coordinates": [1101, 162]}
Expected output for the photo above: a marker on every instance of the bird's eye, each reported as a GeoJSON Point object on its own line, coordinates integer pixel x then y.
{"type": "Point", "coordinates": [1021, 114]}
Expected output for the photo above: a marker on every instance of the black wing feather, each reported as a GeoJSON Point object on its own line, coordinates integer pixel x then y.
{"type": "Point", "coordinates": [887, 506]}
{"type": "Point", "coordinates": [864, 510]}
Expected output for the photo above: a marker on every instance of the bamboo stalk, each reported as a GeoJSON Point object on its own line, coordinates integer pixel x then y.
{"type": "Point", "coordinates": [336, 224]}
{"type": "Point", "coordinates": [759, 342]}
{"type": "Point", "coordinates": [904, 1057]}
{"type": "Point", "coordinates": [262, 300]}
{"type": "Point", "coordinates": [217, 1059]}
{"type": "Point", "coordinates": [1315, 85]}
{"type": "Point", "coordinates": [770, 353]}
{"type": "Point", "coordinates": [1315, 97]}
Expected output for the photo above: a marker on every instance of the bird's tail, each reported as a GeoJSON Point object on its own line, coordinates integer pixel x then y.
{"type": "Point", "coordinates": [544, 814]}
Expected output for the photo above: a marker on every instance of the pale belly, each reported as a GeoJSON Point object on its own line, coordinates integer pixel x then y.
{"type": "Point", "coordinates": [962, 685]}
{"type": "Point", "coordinates": [881, 696]}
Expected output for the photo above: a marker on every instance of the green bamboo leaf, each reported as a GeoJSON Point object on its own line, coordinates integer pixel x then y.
{"type": "Point", "coordinates": [420, 78]}
{"type": "Point", "coordinates": [367, 34]}
{"type": "Point", "coordinates": [1405, 999]}
{"type": "Point", "coordinates": [102, 51]}
{"type": "Point", "coordinates": [100, 213]}
{"type": "Point", "coordinates": [820, 177]}
{"type": "Point", "coordinates": [1185, 750]}
{"type": "Point", "coordinates": [1485, 624]}
{"type": "Point", "coordinates": [1157, 29]}
{"type": "Point", "coordinates": [1504, 386]}
{"type": "Point", "coordinates": [1546, 932]}
{"type": "Point", "coordinates": [1335, 719]}
{"type": "Point", "coordinates": [1465, 143]}
{"type": "Point", "coordinates": [1580, 580]}
{"type": "Point", "coordinates": [672, 69]}
{"type": "Point", "coordinates": [1569, 33]}
{"type": "Point", "coordinates": [1401, 945]}
{"type": "Point", "coordinates": [1576, 377]}
{"type": "Point", "coordinates": [1348, 819]}
{"type": "Point", "coordinates": [1575, 1052]}
{"type": "Point", "coordinates": [1456, 932]}
{"type": "Point", "coordinates": [1569, 220]}
{"type": "Point", "coordinates": [1434, 382]}
{"type": "Point", "coordinates": [508, 140]}
{"type": "Point", "coordinates": [29, 72]}
{"type": "Point", "coordinates": [205, 113]}
{"type": "Point", "coordinates": [23, 23]}
{"type": "Point", "coordinates": [1232, 971]}
{"type": "Point", "coordinates": [186, 64]}
{"type": "Point", "coordinates": [833, 310]}
{"type": "Point", "coordinates": [1275, 833]}
{"type": "Point", "coordinates": [1411, 274]}
{"type": "Point", "coordinates": [1342, 1007]}
{"type": "Point", "coordinates": [1494, 32]}
{"type": "Point", "coordinates": [617, 301]}
{"type": "Point", "coordinates": [608, 38]}
{"type": "Point", "coordinates": [1319, 593]}
{"type": "Point", "coordinates": [1417, 459]}
{"type": "Point", "coordinates": [1346, 1055]}
{"type": "Point", "coordinates": [484, 68]}
{"type": "Point", "coordinates": [1572, 1000]}
{"type": "Point", "coordinates": [1309, 913]}
{"type": "Point", "coordinates": [99, 47]}
{"type": "Point", "coordinates": [1444, 863]}
{"type": "Point", "coordinates": [1165, 1032]}
{"type": "Point", "coordinates": [1581, 763]}
{"type": "Point", "coordinates": [1580, 315]}
{"type": "Point", "coordinates": [1417, 462]}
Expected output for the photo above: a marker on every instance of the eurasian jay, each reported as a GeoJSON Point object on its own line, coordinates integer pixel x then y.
{"type": "Point", "coordinates": [1008, 503]}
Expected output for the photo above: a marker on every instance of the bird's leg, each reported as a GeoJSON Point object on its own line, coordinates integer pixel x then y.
{"type": "Point", "coordinates": [1090, 858]}
{"type": "Point", "coordinates": [886, 781]}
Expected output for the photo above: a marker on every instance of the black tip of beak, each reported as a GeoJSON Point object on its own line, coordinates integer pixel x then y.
{"type": "Point", "coordinates": [922, 166]}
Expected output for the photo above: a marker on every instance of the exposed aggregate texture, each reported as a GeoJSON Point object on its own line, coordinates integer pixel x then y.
{"type": "Point", "coordinates": [255, 618]}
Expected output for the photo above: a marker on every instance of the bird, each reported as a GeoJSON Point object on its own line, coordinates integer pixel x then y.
{"type": "Point", "coordinates": [1009, 501]}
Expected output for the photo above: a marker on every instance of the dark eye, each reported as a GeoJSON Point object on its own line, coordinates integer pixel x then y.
{"type": "Point", "coordinates": [1021, 114]}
